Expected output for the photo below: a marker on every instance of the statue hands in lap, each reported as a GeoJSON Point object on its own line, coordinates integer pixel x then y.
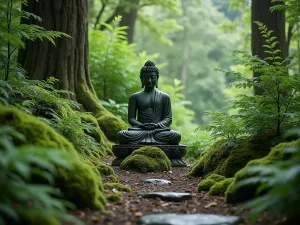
{"type": "Point", "coordinates": [149, 113]}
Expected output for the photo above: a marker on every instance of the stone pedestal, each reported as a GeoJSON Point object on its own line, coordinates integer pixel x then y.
{"type": "Point", "coordinates": [174, 153]}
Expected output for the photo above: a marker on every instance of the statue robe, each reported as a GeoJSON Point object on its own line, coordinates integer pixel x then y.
{"type": "Point", "coordinates": [154, 107]}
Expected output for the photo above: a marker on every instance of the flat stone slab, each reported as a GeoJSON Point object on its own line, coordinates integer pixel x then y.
{"type": "Point", "coordinates": [168, 196]}
{"type": "Point", "coordinates": [188, 219]}
{"type": "Point", "coordinates": [156, 181]}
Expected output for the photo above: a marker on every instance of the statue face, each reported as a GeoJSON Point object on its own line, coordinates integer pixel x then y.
{"type": "Point", "coordinates": [149, 79]}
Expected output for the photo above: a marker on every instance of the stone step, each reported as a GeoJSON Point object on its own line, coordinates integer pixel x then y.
{"type": "Point", "coordinates": [167, 196]}
{"type": "Point", "coordinates": [156, 181]}
{"type": "Point", "coordinates": [188, 219]}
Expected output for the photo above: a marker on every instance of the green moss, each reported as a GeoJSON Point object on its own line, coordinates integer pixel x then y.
{"type": "Point", "coordinates": [111, 125]}
{"type": "Point", "coordinates": [115, 197]}
{"type": "Point", "coordinates": [220, 187]}
{"type": "Point", "coordinates": [36, 131]}
{"type": "Point", "coordinates": [36, 218]}
{"type": "Point", "coordinates": [147, 159]}
{"type": "Point", "coordinates": [81, 185]}
{"type": "Point", "coordinates": [205, 185]}
{"type": "Point", "coordinates": [227, 160]}
{"type": "Point", "coordinates": [98, 134]}
{"type": "Point", "coordinates": [236, 194]}
{"type": "Point", "coordinates": [118, 186]}
{"type": "Point", "coordinates": [216, 177]}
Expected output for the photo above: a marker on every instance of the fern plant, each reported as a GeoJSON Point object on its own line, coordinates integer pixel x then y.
{"type": "Point", "coordinates": [118, 109]}
{"type": "Point", "coordinates": [13, 34]}
{"type": "Point", "coordinates": [277, 109]}
{"type": "Point", "coordinates": [225, 126]}
{"type": "Point", "coordinates": [20, 199]}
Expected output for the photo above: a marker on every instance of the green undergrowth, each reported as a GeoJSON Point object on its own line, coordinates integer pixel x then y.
{"type": "Point", "coordinates": [207, 183]}
{"type": "Point", "coordinates": [235, 194]}
{"type": "Point", "coordinates": [147, 159]}
{"type": "Point", "coordinates": [226, 160]}
{"type": "Point", "coordinates": [83, 185]}
{"type": "Point", "coordinates": [117, 186]}
{"type": "Point", "coordinates": [219, 188]}
{"type": "Point", "coordinates": [109, 123]}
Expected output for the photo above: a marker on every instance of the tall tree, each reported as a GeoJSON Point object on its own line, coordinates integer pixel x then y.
{"type": "Point", "coordinates": [68, 61]}
{"type": "Point", "coordinates": [129, 9]}
{"type": "Point", "coordinates": [275, 21]}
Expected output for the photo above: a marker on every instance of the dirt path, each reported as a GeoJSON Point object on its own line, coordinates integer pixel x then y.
{"type": "Point", "coordinates": [131, 207]}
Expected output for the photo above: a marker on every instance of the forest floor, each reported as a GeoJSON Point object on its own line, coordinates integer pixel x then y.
{"type": "Point", "coordinates": [132, 207]}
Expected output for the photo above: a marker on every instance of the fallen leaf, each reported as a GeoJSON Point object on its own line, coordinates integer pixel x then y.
{"type": "Point", "coordinates": [210, 205]}
{"type": "Point", "coordinates": [138, 214]}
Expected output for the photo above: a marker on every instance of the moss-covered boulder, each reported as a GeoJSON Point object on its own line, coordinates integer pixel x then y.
{"type": "Point", "coordinates": [205, 185]}
{"type": "Point", "coordinates": [147, 159]}
{"type": "Point", "coordinates": [82, 185]}
{"type": "Point", "coordinates": [226, 159]}
{"type": "Point", "coordinates": [236, 194]}
{"type": "Point", "coordinates": [109, 123]}
{"type": "Point", "coordinates": [98, 134]}
{"type": "Point", "coordinates": [208, 182]}
{"type": "Point", "coordinates": [219, 188]}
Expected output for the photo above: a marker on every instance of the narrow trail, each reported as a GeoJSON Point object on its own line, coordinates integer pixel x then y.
{"type": "Point", "coordinates": [132, 207]}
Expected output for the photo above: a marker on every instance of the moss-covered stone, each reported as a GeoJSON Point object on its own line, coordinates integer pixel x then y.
{"type": "Point", "coordinates": [236, 194]}
{"type": "Point", "coordinates": [82, 185]}
{"type": "Point", "coordinates": [147, 159]}
{"type": "Point", "coordinates": [98, 134]}
{"type": "Point", "coordinates": [114, 197]}
{"type": "Point", "coordinates": [118, 186]}
{"type": "Point", "coordinates": [109, 123]}
{"type": "Point", "coordinates": [220, 187]}
{"type": "Point", "coordinates": [205, 185]}
{"type": "Point", "coordinates": [84, 192]}
{"type": "Point", "coordinates": [226, 160]}
{"type": "Point", "coordinates": [216, 177]}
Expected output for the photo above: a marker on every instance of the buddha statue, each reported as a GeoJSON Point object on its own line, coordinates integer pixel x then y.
{"type": "Point", "coordinates": [149, 113]}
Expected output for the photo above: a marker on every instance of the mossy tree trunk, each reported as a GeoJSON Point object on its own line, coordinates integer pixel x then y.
{"type": "Point", "coordinates": [68, 60]}
{"type": "Point", "coordinates": [260, 11]}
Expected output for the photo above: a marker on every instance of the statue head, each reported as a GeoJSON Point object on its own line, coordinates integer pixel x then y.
{"type": "Point", "coordinates": [149, 74]}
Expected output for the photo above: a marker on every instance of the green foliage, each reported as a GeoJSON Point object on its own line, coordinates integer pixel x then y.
{"type": "Point", "coordinates": [13, 34]}
{"type": "Point", "coordinates": [41, 99]}
{"type": "Point", "coordinates": [277, 109]}
{"type": "Point", "coordinates": [182, 116]}
{"type": "Point", "coordinates": [120, 110]}
{"type": "Point", "coordinates": [114, 64]}
{"type": "Point", "coordinates": [292, 7]}
{"type": "Point", "coordinates": [18, 166]}
{"type": "Point", "coordinates": [225, 126]}
{"type": "Point", "coordinates": [280, 180]}
{"type": "Point", "coordinates": [196, 142]}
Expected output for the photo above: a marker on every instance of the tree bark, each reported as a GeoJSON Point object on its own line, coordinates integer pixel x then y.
{"type": "Point", "coordinates": [260, 11]}
{"type": "Point", "coordinates": [68, 60]}
{"type": "Point", "coordinates": [129, 16]}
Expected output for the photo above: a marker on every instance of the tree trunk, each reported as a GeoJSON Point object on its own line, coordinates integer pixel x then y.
{"type": "Point", "coordinates": [129, 19]}
{"type": "Point", "coordinates": [260, 11]}
{"type": "Point", "coordinates": [68, 60]}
